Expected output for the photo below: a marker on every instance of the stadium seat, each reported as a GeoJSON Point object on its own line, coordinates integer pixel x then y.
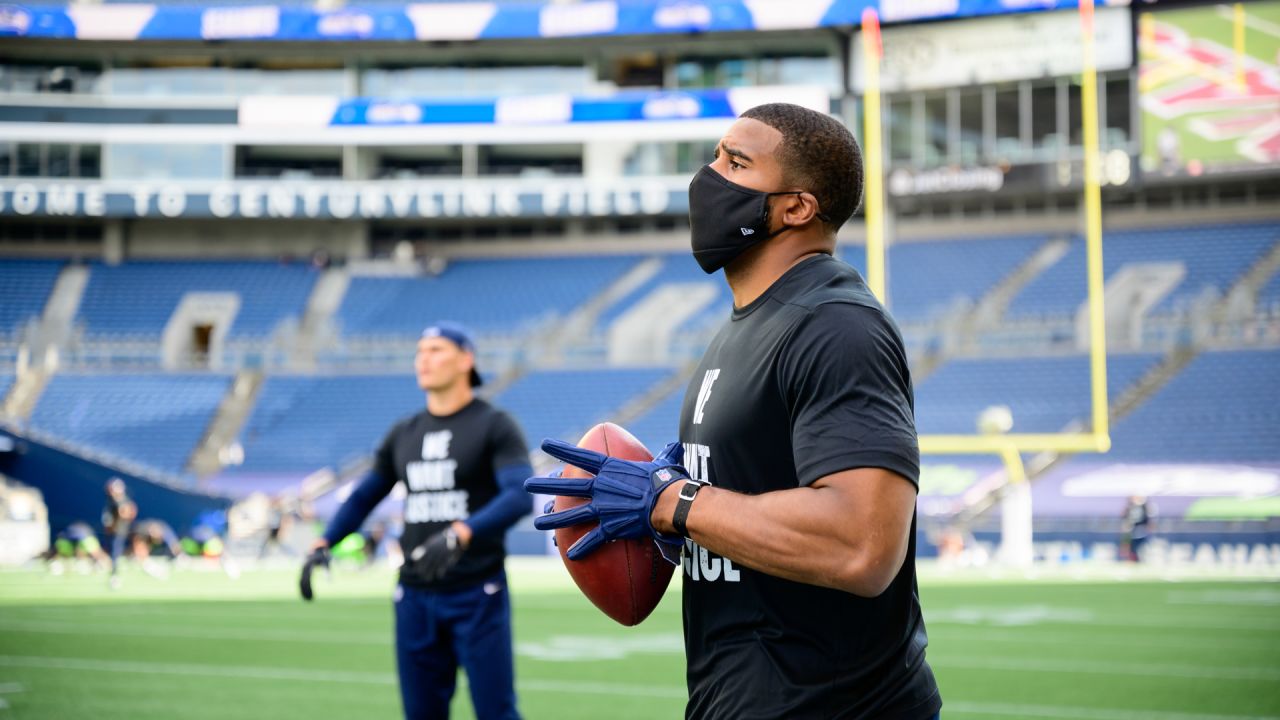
{"type": "Point", "coordinates": [1045, 394]}
{"type": "Point", "coordinates": [154, 420]}
{"type": "Point", "coordinates": [1223, 407]}
{"type": "Point", "coordinates": [24, 288]}
{"type": "Point", "coordinates": [304, 423]}
{"type": "Point", "coordinates": [660, 424]}
{"type": "Point", "coordinates": [1215, 256]}
{"type": "Point", "coordinates": [493, 297]}
{"type": "Point", "coordinates": [565, 403]}
{"type": "Point", "coordinates": [137, 298]}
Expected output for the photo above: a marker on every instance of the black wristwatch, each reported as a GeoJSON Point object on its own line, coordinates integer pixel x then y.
{"type": "Point", "coordinates": [688, 491]}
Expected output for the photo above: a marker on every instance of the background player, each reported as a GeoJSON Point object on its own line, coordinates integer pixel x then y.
{"type": "Point", "coordinates": [280, 520]}
{"type": "Point", "coordinates": [462, 461]}
{"type": "Point", "coordinates": [75, 542]}
{"type": "Point", "coordinates": [1136, 527]}
{"type": "Point", "coordinates": [151, 538]}
{"type": "Point", "coordinates": [800, 592]}
{"type": "Point", "coordinates": [117, 518]}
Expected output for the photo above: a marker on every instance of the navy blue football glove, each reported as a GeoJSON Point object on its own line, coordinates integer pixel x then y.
{"type": "Point", "coordinates": [318, 558]}
{"type": "Point", "coordinates": [438, 554]}
{"type": "Point", "coordinates": [622, 495]}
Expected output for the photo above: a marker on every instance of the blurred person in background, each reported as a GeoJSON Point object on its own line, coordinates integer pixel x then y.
{"type": "Point", "coordinates": [153, 538]}
{"type": "Point", "coordinates": [463, 462]}
{"type": "Point", "coordinates": [117, 519]}
{"type": "Point", "coordinates": [75, 542]}
{"type": "Point", "coordinates": [279, 522]}
{"type": "Point", "coordinates": [1137, 524]}
{"type": "Point", "coordinates": [204, 542]}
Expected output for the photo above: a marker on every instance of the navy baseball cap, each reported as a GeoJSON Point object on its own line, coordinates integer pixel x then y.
{"type": "Point", "coordinates": [460, 336]}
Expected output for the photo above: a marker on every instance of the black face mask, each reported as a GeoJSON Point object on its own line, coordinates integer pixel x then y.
{"type": "Point", "coordinates": [726, 218]}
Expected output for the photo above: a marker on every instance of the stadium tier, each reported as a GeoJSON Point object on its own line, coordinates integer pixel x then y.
{"type": "Point", "coordinates": [303, 423]}
{"type": "Point", "coordinates": [24, 287]}
{"type": "Point", "coordinates": [491, 296]}
{"type": "Point", "coordinates": [1269, 294]}
{"type": "Point", "coordinates": [138, 298]}
{"type": "Point", "coordinates": [1213, 256]}
{"type": "Point", "coordinates": [565, 403]}
{"type": "Point", "coordinates": [1045, 394]}
{"type": "Point", "coordinates": [1223, 407]}
{"type": "Point", "coordinates": [926, 279]}
{"type": "Point", "coordinates": [6, 382]}
{"type": "Point", "coordinates": [660, 424]}
{"type": "Point", "coordinates": [154, 420]}
{"type": "Point", "coordinates": [677, 267]}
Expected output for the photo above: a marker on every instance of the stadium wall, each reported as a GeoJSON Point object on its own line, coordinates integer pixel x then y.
{"type": "Point", "coordinates": [73, 486]}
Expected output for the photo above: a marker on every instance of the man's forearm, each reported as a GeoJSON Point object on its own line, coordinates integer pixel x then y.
{"type": "Point", "coordinates": [371, 489]}
{"type": "Point", "coordinates": [847, 534]}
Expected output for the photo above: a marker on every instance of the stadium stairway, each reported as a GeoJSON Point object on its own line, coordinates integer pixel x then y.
{"type": "Point", "coordinates": [24, 393]}
{"type": "Point", "coordinates": [317, 329]}
{"type": "Point", "coordinates": [574, 330]}
{"type": "Point", "coordinates": [57, 321]}
{"type": "Point", "coordinates": [1241, 299]}
{"type": "Point", "coordinates": [230, 417]}
{"type": "Point", "coordinates": [643, 404]}
{"type": "Point", "coordinates": [990, 310]}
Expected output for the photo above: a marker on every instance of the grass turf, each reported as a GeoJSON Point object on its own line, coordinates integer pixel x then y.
{"type": "Point", "coordinates": [202, 646]}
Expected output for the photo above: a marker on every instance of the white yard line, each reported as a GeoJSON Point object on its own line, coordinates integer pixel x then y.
{"type": "Point", "coordinates": [307, 675]}
{"type": "Point", "coordinates": [1103, 667]}
{"type": "Point", "coordinates": [1078, 713]}
{"type": "Point", "coordinates": [77, 628]}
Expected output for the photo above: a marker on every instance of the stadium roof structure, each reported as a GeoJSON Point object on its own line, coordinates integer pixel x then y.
{"type": "Point", "coordinates": [469, 21]}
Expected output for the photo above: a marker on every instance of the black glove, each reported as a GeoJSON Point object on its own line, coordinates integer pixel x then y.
{"type": "Point", "coordinates": [440, 552]}
{"type": "Point", "coordinates": [318, 558]}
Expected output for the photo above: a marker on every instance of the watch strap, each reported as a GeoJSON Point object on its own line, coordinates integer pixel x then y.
{"type": "Point", "coordinates": [688, 491]}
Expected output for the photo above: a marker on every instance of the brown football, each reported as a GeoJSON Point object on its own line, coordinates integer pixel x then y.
{"type": "Point", "coordinates": [624, 578]}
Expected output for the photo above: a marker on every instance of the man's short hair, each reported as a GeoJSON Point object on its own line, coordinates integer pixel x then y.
{"type": "Point", "coordinates": [819, 154]}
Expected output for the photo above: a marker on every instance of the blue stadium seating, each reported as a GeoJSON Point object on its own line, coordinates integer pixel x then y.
{"type": "Point", "coordinates": [927, 278]}
{"type": "Point", "coordinates": [491, 296]}
{"type": "Point", "coordinates": [1044, 393]}
{"type": "Point", "coordinates": [6, 382]}
{"type": "Point", "coordinates": [660, 424]}
{"type": "Point", "coordinates": [565, 403]}
{"type": "Point", "coordinates": [139, 297]}
{"type": "Point", "coordinates": [155, 420]}
{"type": "Point", "coordinates": [1214, 255]}
{"type": "Point", "coordinates": [1269, 294]}
{"type": "Point", "coordinates": [24, 287]}
{"type": "Point", "coordinates": [304, 423]}
{"type": "Point", "coordinates": [1224, 406]}
{"type": "Point", "coordinates": [675, 268]}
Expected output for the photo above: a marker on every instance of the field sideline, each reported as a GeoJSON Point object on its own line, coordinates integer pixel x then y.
{"type": "Point", "coordinates": [199, 645]}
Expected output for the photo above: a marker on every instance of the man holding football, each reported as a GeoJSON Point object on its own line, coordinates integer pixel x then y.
{"type": "Point", "coordinates": [797, 507]}
{"type": "Point", "coordinates": [462, 461]}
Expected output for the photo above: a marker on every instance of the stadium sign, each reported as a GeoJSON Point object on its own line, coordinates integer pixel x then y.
{"type": "Point", "coordinates": [1025, 178]}
{"type": "Point", "coordinates": [345, 201]}
{"type": "Point", "coordinates": [471, 20]}
{"type": "Point", "coordinates": [993, 50]}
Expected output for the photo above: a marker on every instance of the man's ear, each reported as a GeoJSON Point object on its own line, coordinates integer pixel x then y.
{"type": "Point", "coordinates": [799, 209]}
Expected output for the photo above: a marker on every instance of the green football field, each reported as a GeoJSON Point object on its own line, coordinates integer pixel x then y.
{"type": "Point", "coordinates": [200, 645]}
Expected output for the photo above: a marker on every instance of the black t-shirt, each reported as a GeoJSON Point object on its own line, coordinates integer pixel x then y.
{"type": "Point", "coordinates": [113, 519]}
{"type": "Point", "coordinates": [448, 465]}
{"type": "Point", "coordinates": [808, 380]}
